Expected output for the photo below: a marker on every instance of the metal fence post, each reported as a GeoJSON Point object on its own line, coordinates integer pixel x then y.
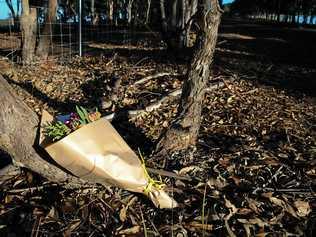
{"type": "Point", "coordinates": [80, 28]}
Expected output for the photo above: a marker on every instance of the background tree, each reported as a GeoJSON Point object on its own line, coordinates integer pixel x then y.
{"type": "Point", "coordinates": [14, 13]}
{"type": "Point", "coordinates": [176, 16]}
{"type": "Point", "coordinates": [288, 11]}
{"type": "Point", "coordinates": [29, 30]}
{"type": "Point", "coordinates": [45, 39]}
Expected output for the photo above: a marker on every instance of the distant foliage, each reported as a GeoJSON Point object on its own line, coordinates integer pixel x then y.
{"type": "Point", "coordinates": [288, 11]}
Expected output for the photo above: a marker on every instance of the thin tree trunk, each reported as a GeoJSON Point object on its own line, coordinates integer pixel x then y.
{"type": "Point", "coordinates": [93, 15]}
{"type": "Point", "coordinates": [179, 32]}
{"type": "Point", "coordinates": [45, 39]}
{"type": "Point", "coordinates": [18, 2]}
{"type": "Point", "coordinates": [193, 9]}
{"type": "Point", "coordinates": [184, 130]}
{"type": "Point", "coordinates": [148, 11]}
{"type": "Point", "coordinates": [28, 28]}
{"type": "Point", "coordinates": [18, 135]}
{"type": "Point", "coordinates": [305, 19]}
{"type": "Point", "coordinates": [111, 6]}
{"type": "Point", "coordinates": [293, 17]}
{"type": "Point", "coordinates": [14, 15]}
{"type": "Point", "coordinates": [129, 11]}
{"type": "Point", "coordinates": [163, 16]}
{"type": "Point", "coordinates": [174, 14]}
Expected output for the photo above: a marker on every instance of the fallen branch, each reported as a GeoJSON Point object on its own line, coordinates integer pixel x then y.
{"type": "Point", "coordinates": [162, 74]}
{"type": "Point", "coordinates": [168, 174]}
{"type": "Point", "coordinates": [156, 105]}
{"type": "Point", "coordinates": [31, 190]}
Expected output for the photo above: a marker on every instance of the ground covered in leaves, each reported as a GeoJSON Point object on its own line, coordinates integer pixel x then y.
{"type": "Point", "coordinates": [252, 172]}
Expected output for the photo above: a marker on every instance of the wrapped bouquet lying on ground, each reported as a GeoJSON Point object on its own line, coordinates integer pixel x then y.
{"type": "Point", "coordinates": [89, 147]}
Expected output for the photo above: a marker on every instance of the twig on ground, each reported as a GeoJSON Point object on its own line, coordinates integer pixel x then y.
{"type": "Point", "coordinates": [112, 60]}
{"type": "Point", "coordinates": [168, 174]}
{"type": "Point", "coordinates": [162, 74]}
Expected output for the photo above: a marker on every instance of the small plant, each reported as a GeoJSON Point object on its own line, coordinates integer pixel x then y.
{"type": "Point", "coordinates": [56, 130]}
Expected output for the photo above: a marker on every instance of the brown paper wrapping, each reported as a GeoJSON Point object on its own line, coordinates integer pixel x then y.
{"type": "Point", "coordinates": [97, 153]}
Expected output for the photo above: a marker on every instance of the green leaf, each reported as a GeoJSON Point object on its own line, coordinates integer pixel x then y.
{"type": "Point", "coordinates": [81, 115]}
{"type": "Point", "coordinates": [86, 114]}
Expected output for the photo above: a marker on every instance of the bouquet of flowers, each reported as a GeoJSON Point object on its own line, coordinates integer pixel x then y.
{"type": "Point", "coordinates": [64, 125]}
{"type": "Point", "coordinates": [90, 148]}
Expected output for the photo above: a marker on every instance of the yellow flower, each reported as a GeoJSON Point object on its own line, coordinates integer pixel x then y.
{"type": "Point", "coordinates": [94, 116]}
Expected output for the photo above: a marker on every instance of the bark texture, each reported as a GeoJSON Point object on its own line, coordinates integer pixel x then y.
{"type": "Point", "coordinates": [28, 28]}
{"type": "Point", "coordinates": [45, 38]}
{"type": "Point", "coordinates": [185, 128]}
{"type": "Point", "coordinates": [18, 125]}
{"type": "Point", "coordinates": [148, 11]}
{"type": "Point", "coordinates": [129, 11]}
{"type": "Point", "coordinates": [111, 7]}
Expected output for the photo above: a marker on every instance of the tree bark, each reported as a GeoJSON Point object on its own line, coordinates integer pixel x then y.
{"type": "Point", "coordinates": [129, 11]}
{"type": "Point", "coordinates": [28, 28]}
{"type": "Point", "coordinates": [111, 6]}
{"type": "Point", "coordinates": [182, 40]}
{"type": "Point", "coordinates": [45, 39]}
{"type": "Point", "coordinates": [174, 14]}
{"type": "Point", "coordinates": [18, 125]}
{"type": "Point", "coordinates": [163, 16]}
{"type": "Point", "coordinates": [185, 128]}
{"type": "Point", "coordinates": [148, 11]}
{"type": "Point", "coordinates": [92, 9]}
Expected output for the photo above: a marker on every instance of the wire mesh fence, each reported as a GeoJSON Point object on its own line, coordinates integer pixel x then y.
{"type": "Point", "coordinates": [62, 35]}
{"type": "Point", "coordinates": [67, 36]}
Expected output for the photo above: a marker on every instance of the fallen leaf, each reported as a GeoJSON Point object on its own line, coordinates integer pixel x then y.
{"type": "Point", "coordinates": [303, 208]}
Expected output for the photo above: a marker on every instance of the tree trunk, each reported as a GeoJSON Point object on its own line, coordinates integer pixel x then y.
{"type": "Point", "coordinates": [182, 41]}
{"type": "Point", "coordinates": [311, 19]}
{"type": "Point", "coordinates": [184, 130]}
{"type": "Point", "coordinates": [45, 39]}
{"type": "Point", "coordinates": [193, 9]}
{"type": "Point", "coordinates": [148, 11]}
{"type": "Point", "coordinates": [174, 14]}
{"type": "Point", "coordinates": [163, 16]}
{"type": "Point", "coordinates": [176, 27]}
{"type": "Point", "coordinates": [111, 11]}
{"type": "Point", "coordinates": [129, 11]}
{"type": "Point", "coordinates": [28, 28]}
{"type": "Point", "coordinates": [18, 125]}
{"type": "Point", "coordinates": [305, 19]}
{"type": "Point", "coordinates": [293, 18]}
{"type": "Point", "coordinates": [93, 15]}
{"type": "Point", "coordinates": [13, 14]}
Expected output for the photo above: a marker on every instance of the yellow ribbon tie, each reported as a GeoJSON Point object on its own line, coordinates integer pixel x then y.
{"type": "Point", "coordinates": [158, 184]}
